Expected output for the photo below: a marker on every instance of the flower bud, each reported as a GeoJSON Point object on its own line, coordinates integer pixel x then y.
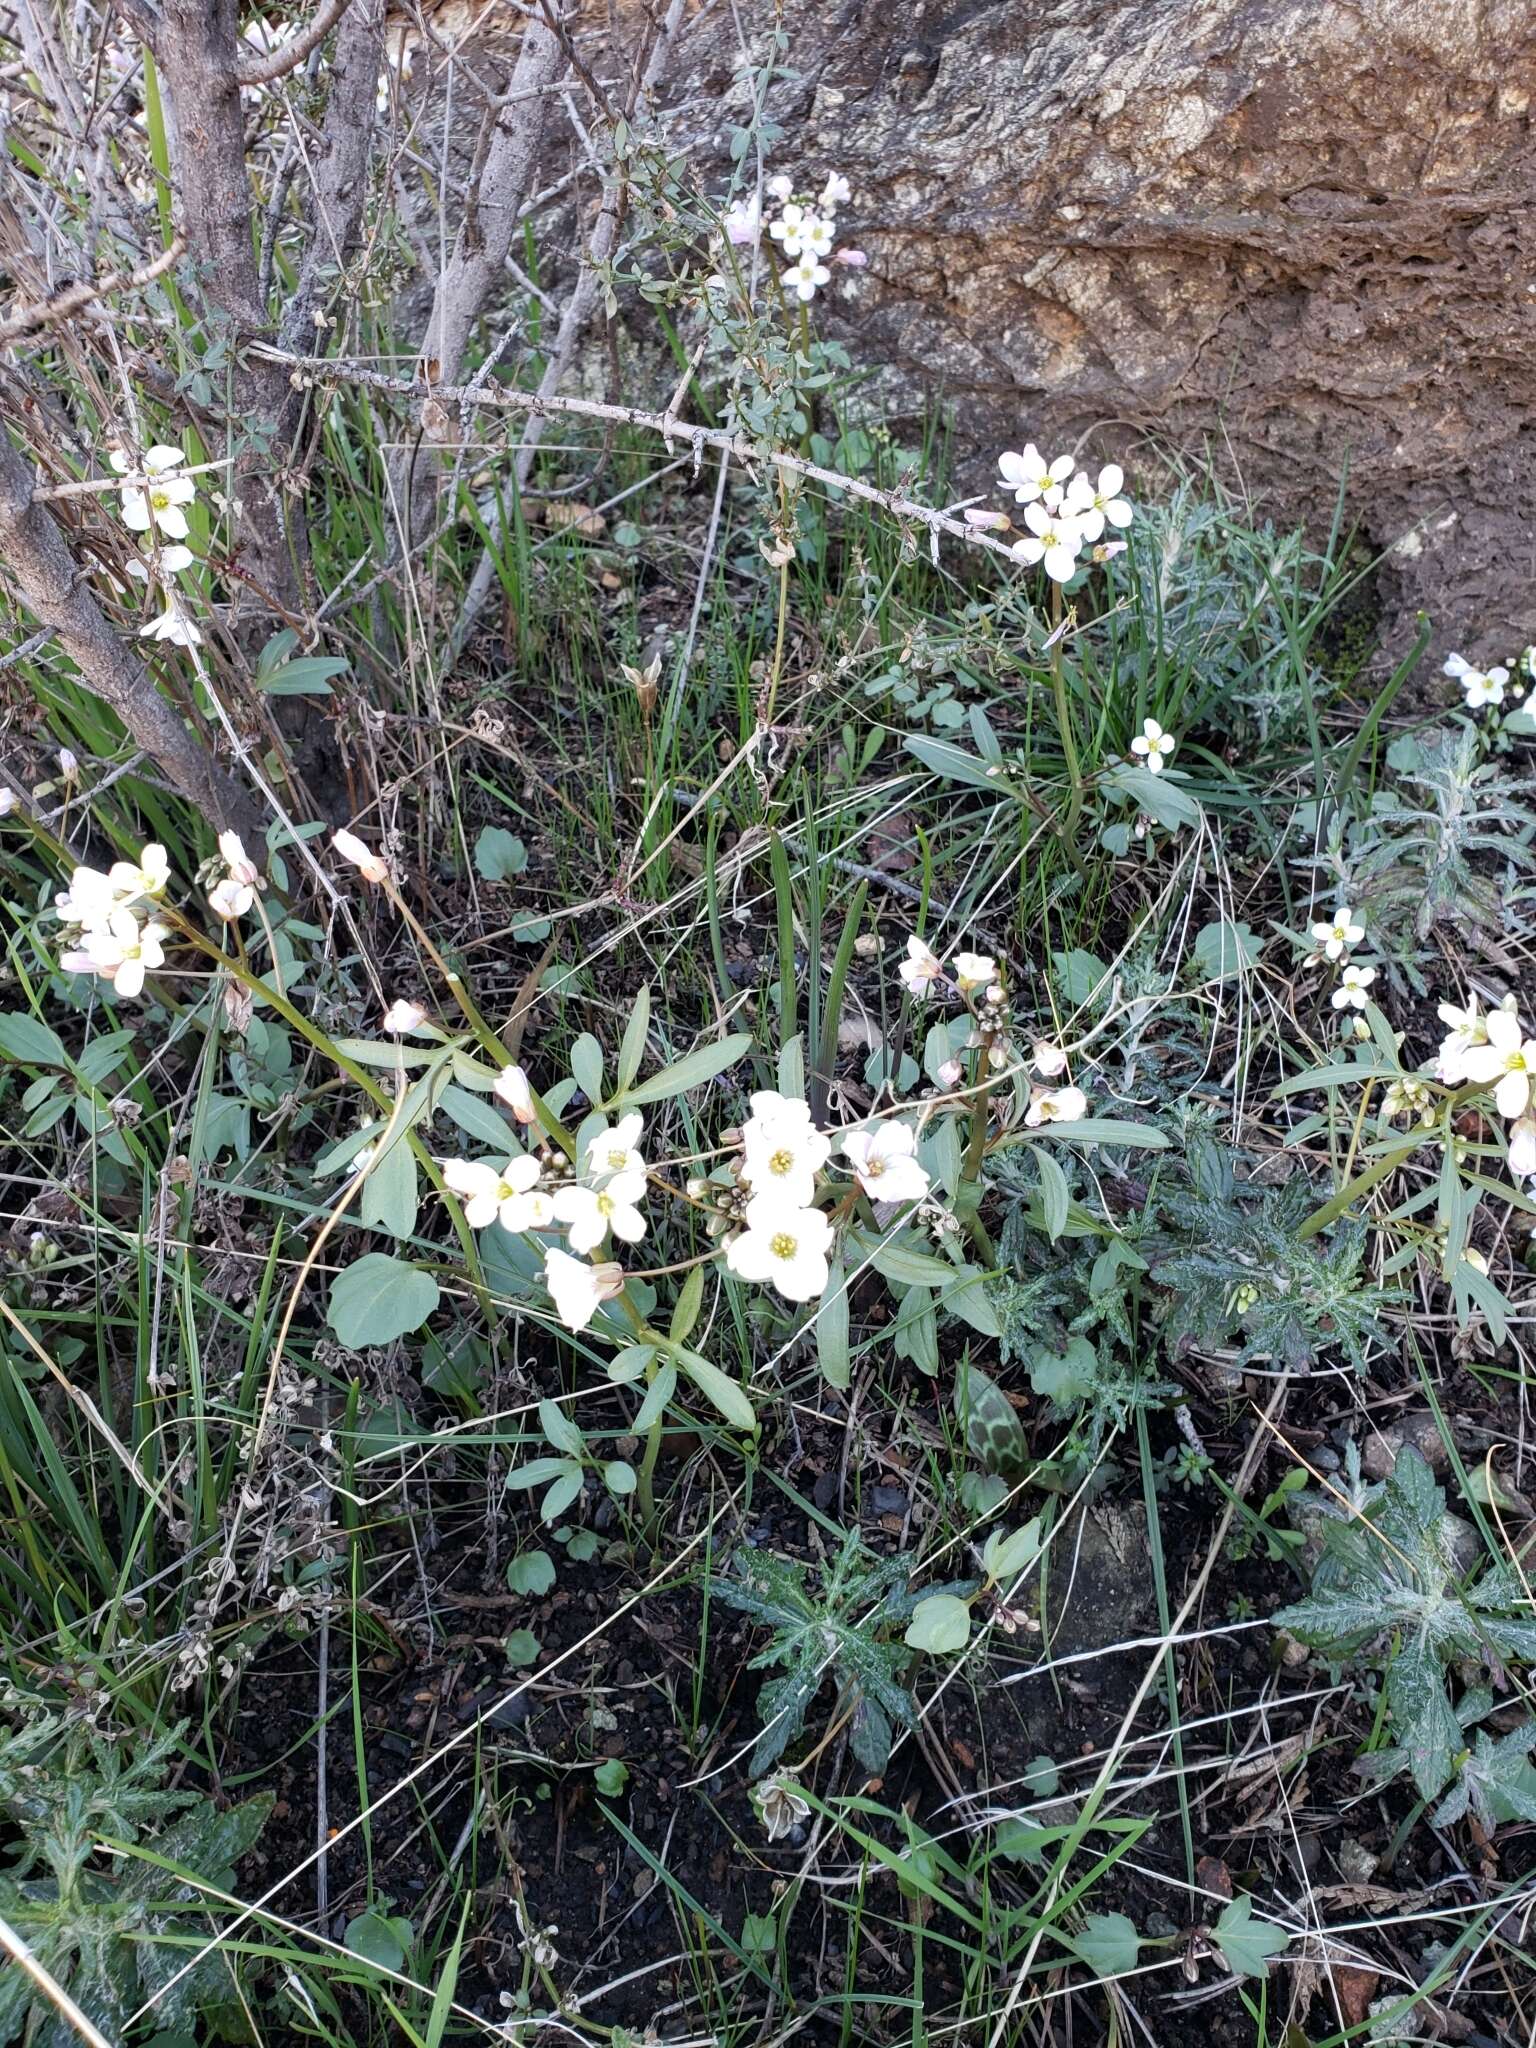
{"type": "Point", "coordinates": [370, 865]}
{"type": "Point", "coordinates": [403, 1016]}
{"type": "Point", "coordinates": [1048, 1059]}
{"type": "Point", "coordinates": [511, 1087]}
{"type": "Point", "coordinates": [950, 1074]}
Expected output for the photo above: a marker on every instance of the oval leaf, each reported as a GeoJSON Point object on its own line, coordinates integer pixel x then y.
{"type": "Point", "coordinates": [378, 1298]}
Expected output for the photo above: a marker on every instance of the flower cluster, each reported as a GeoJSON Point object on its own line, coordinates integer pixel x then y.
{"type": "Point", "coordinates": [1491, 1048]}
{"type": "Point", "coordinates": [109, 924]}
{"type": "Point", "coordinates": [1486, 688]}
{"type": "Point", "coordinates": [804, 227]}
{"type": "Point", "coordinates": [1065, 511]}
{"type": "Point", "coordinates": [975, 978]}
{"type": "Point", "coordinates": [154, 505]}
{"type": "Point", "coordinates": [1334, 936]}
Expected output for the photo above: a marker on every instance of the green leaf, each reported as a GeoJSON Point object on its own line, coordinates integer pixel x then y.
{"type": "Point", "coordinates": [1108, 1130]}
{"type": "Point", "coordinates": [1006, 1556]}
{"type": "Point", "coordinates": [391, 1194]}
{"type": "Point", "coordinates": [657, 1396]}
{"type": "Point", "coordinates": [499, 854]}
{"type": "Point", "coordinates": [1108, 1943]}
{"type": "Point", "coordinates": [1247, 1944]}
{"type": "Point", "coordinates": [560, 1430]}
{"type": "Point", "coordinates": [531, 1572]}
{"type": "Point", "coordinates": [537, 1471]}
{"type": "Point", "coordinates": [610, 1777]}
{"type": "Point", "coordinates": [587, 1066]}
{"type": "Point", "coordinates": [1055, 1195]}
{"type": "Point", "coordinates": [632, 1044]}
{"type": "Point", "coordinates": [692, 1070]}
{"type": "Point", "coordinates": [955, 764]}
{"type": "Point", "coordinates": [1164, 802]}
{"type": "Point", "coordinates": [832, 1328]}
{"type": "Point", "coordinates": [380, 1938]}
{"type": "Point", "coordinates": [477, 1119]}
{"type": "Point", "coordinates": [940, 1624]}
{"type": "Point", "coordinates": [993, 1433]}
{"type": "Point", "coordinates": [379, 1298]}
{"type": "Point", "coordinates": [685, 1312]}
{"type": "Point", "coordinates": [1223, 949]}
{"type": "Point", "coordinates": [897, 1258]}
{"type": "Point", "coordinates": [523, 1648]}
{"type": "Point", "coordinates": [759, 1933]}
{"type": "Point", "coordinates": [310, 677]}
{"type": "Point", "coordinates": [23, 1038]}
{"type": "Point", "coordinates": [619, 1478]}
{"type": "Point", "coordinates": [724, 1392]}
{"type": "Point", "coordinates": [560, 1496]}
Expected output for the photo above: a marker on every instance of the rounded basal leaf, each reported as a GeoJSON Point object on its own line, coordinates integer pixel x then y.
{"type": "Point", "coordinates": [611, 1777]}
{"type": "Point", "coordinates": [1108, 1944]}
{"type": "Point", "coordinates": [522, 1648]}
{"type": "Point", "coordinates": [379, 1298]}
{"type": "Point", "coordinates": [380, 1938]}
{"type": "Point", "coordinates": [531, 1572]}
{"type": "Point", "coordinates": [941, 1625]}
{"type": "Point", "coordinates": [619, 1477]}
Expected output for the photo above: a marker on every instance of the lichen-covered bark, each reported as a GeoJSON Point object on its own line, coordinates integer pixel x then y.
{"type": "Point", "coordinates": [1296, 232]}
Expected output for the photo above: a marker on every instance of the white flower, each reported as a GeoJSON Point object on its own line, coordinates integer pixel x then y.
{"type": "Point", "coordinates": [89, 899]}
{"type": "Point", "coordinates": [1467, 1028]}
{"type": "Point", "coordinates": [743, 222]}
{"type": "Point", "coordinates": [1056, 1106]}
{"type": "Point", "coordinates": [123, 951]}
{"type": "Point", "coordinates": [7, 799]}
{"type": "Point", "coordinates": [803, 277]}
{"type": "Point", "coordinates": [509, 1194]}
{"type": "Point", "coordinates": [511, 1087]}
{"type": "Point", "coordinates": [370, 865]}
{"type": "Point", "coordinates": [1154, 744]}
{"type": "Point", "coordinates": [169, 560]}
{"type": "Point", "coordinates": [783, 1151]}
{"type": "Point", "coordinates": [1337, 934]}
{"type": "Point", "coordinates": [174, 624]}
{"type": "Point", "coordinates": [1106, 550]}
{"type": "Point", "coordinates": [1048, 1059]}
{"type": "Point", "coordinates": [1480, 687]}
{"type": "Point", "coordinates": [835, 193]}
{"type": "Point", "coordinates": [1508, 1059]}
{"type": "Point", "coordinates": [230, 899]}
{"type": "Point", "coordinates": [1092, 503]}
{"type": "Point", "coordinates": [884, 1162]}
{"type": "Point", "coordinates": [815, 237]}
{"type": "Point", "coordinates": [403, 1016]}
{"type": "Point", "coordinates": [1351, 991]}
{"type": "Point", "coordinates": [989, 522]}
{"type": "Point", "coordinates": [69, 765]}
{"type": "Point", "coordinates": [920, 972]}
{"type": "Point", "coordinates": [241, 867]}
{"type": "Point", "coordinates": [1029, 476]}
{"type": "Point", "coordinates": [783, 1244]}
{"type": "Point", "coordinates": [577, 1289]}
{"type": "Point", "coordinates": [593, 1212]}
{"type": "Point", "coordinates": [787, 229]}
{"type": "Point", "coordinates": [855, 259]}
{"type": "Point", "coordinates": [1054, 540]}
{"type": "Point", "coordinates": [779, 186]}
{"type": "Point", "coordinates": [1522, 1148]}
{"type": "Point", "coordinates": [157, 503]}
{"type": "Point", "coordinates": [614, 1150]}
{"type": "Point", "coordinates": [147, 876]}
{"type": "Point", "coordinates": [973, 971]}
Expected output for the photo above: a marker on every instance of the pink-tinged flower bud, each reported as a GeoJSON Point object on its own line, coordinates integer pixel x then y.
{"type": "Point", "coordinates": [951, 1074]}
{"type": "Point", "coordinates": [402, 1016]}
{"type": "Point", "coordinates": [1049, 1059]}
{"type": "Point", "coordinates": [990, 522]}
{"type": "Point", "coordinates": [241, 867]}
{"type": "Point", "coordinates": [511, 1087]}
{"type": "Point", "coordinates": [370, 865]}
{"type": "Point", "coordinates": [1522, 1148]}
{"type": "Point", "coordinates": [855, 259]}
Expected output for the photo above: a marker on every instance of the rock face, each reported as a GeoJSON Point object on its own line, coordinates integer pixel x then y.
{"type": "Point", "coordinates": [1295, 233]}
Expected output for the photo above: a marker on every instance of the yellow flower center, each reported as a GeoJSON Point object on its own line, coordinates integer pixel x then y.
{"type": "Point", "coordinates": [874, 1168]}
{"type": "Point", "coordinates": [782, 1245]}
{"type": "Point", "coordinates": [160, 500]}
{"type": "Point", "coordinates": [605, 1205]}
{"type": "Point", "coordinates": [782, 1161]}
{"type": "Point", "coordinates": [616, 1161]}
